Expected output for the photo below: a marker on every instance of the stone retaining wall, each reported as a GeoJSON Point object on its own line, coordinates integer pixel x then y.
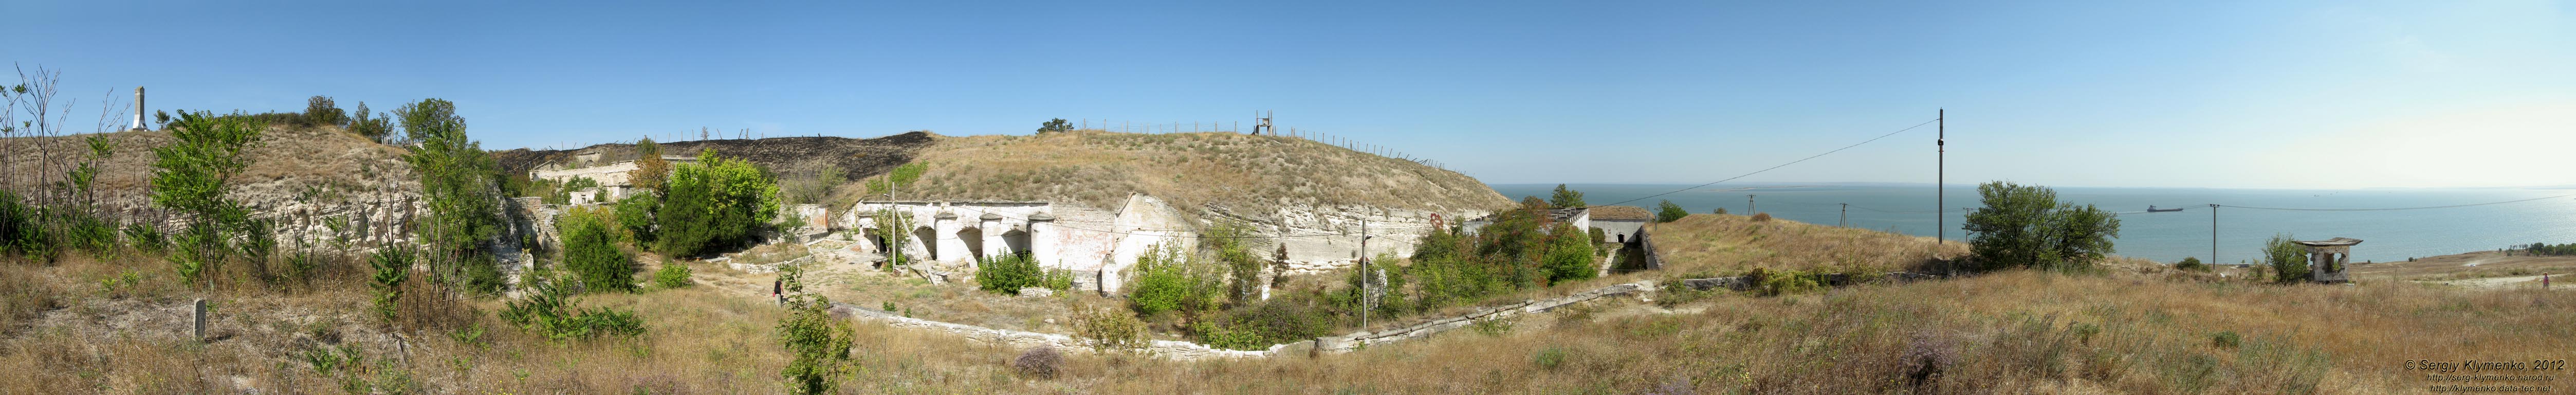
{"type": "Point", "coordinates": [1165, 348]}
{"type": "Point", "coordinates": [1355, 341]}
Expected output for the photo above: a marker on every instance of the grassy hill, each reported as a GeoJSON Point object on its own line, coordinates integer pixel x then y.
{"type": "Point", "coordinates": [290, 166]}
{"type": "Point", "coordinates": [1246, 174]}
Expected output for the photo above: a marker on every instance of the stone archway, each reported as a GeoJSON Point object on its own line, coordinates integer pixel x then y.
{"type": "Point", "coordinates": [973, 238]}
{"type": "Point", "coordinates": [928, 239]}
{"type": "Point", "coordinates": [1016, 242]}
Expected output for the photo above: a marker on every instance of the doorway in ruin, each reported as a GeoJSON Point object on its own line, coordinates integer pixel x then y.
{"type": "Point", "coordinates": [973, 238]}
{"type": "Point", "coordinates": [929, 240]}
{"type": "Point", "coordinates": [1016, 242]}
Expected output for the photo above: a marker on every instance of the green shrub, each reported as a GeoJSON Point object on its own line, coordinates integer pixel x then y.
{"type": "Point", "coordinates": [1569, 258]}
{"type": "Point", "coordinates": [1007, 274]}
{"type": "Point", "coordinates": [22, 230]}
{"type": "Point", "coordinates": [143, 236]}
{"type": "Point", "coordinates": [548, 309]}
{"type": "Point", "coordinates": [2191, 264]}
{"type": "Point", "coordinates": [714, 203]}
{"type": "Point", "coordinates": [1669, 212]}
{"type": "Point", "coordinates": [1108, 329]}
{"type": "Point", "coordinates": [590, 251]}
{"type": "Point", "coordinates": [2226, 339]}
{"type": "Point", "coordinates": [1261, 325]}
{"type": "Point", "coordinates": [2289, 261]}
{"type": "Point", "coordinates": [2025, 226]}
{"type": "Point", "coordinates": [635, 215]}
{"type": "Point", "coordinates": [673, 275]}
{"type": "Point", "coordinates": [819, 343]}
{"type": "Point", "coordinates": [1168, 280]}
{"type": "Point", "coordinates": [393, 267]}
{"type": "Point", "coordinates": [1549, 358]}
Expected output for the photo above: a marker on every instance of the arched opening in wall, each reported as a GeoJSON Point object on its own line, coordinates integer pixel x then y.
{"type": "Point", "coordinates": [928, 240]}
{"type": "Point", "coordinates": [1016, 242]}
{"type": "Point", "coordinates": [876, 239]}
{"type": "Point", "coordinates": [974, 240]}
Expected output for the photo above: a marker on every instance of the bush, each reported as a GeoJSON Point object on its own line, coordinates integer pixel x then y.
{"type": "Point", "coordinates": [1549, 358]}
{"type": "Point", "coordinates": [1040, 362]}
{"type": "Point", "coordinates": [2025, 226]}
{"type": "Point", "coordinates": [320, 110]}
{"type": "Point", "coordinates": [1669, 212]}
{"type": "Point", "coordinates": [1761, 217]}
{"type": "Point", "coordinates": [714, 203]}
{"type": "Point", "coordinates": [820, 343]}
{"type": "Point", "coordinates": [1259, 326]}
{"type": "Point", "coordinates": [550, 310]}
{"type": "Point", "coordinates": [673, 275]}
{"type": "Point", "coordinates": [635, 215]}
{"type": "Point", "coordinates": [22, 230]}
{"type": "Point", "coordinates": [1168, 280]}
{"type": "Point", "coordinates": [1569, 258]}
{"type": "Point", "coordinates": [143, 236]}
{"type": "Point", "coordinates": [2226, 339]}
{"type": "Point", "coordinates": [2191, 264]}
{"type": "Point", "coordinates": [1008, 273]}
{"type": "Point", "coordinates": [1056, 125]}
{"type": "Point", "coordinates": [2289, 261]}
{"type": "Point", "coordinates": [1718, 211]}
{"type": "Point", "coordinates": [1108, 329]}
{"type": "Point", "coordinates": [590, 251]}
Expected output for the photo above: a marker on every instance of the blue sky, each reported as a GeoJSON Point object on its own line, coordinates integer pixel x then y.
{"type": "Point", "coordinates": [2286, 94]}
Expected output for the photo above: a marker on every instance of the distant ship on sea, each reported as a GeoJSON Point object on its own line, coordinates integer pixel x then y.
{"type": "Point", "coordinates": [2153, 209]}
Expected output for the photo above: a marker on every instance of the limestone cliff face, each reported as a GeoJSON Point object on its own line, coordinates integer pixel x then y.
{"type": "Point", "coordinates": [1308, 195]}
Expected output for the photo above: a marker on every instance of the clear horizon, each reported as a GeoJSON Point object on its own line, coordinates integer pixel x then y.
{"type": "Point", "coordinates": [2273, 95]}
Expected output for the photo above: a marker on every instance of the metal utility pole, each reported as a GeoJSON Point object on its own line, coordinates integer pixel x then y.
{"type": "Point", "coordinates": [2213, 234]}
{"type": "Point", "coordinates": [1748, 205]}
{"type": "Point", "coordinates": [1845, 219]}
{"type": "Point", "coordinates": [1940, 164]}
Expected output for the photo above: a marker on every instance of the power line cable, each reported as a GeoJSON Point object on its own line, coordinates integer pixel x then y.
{"type": "Point", "coordinates": [1775, 167]}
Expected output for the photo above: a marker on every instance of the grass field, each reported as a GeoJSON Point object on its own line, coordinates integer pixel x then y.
{"type": "Point", "coordinates": [80, 326]}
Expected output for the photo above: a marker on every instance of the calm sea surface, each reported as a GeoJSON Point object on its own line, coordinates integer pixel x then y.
{"type": "Point", "coordinates": [2164, 236]}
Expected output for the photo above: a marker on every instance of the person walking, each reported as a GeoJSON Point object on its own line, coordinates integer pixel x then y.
{"type": "Point", "coordinates": [778, 290]}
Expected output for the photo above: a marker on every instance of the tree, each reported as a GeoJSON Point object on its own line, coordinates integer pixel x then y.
{"type": "Point", "coordinates": [190, 176]}
{"type": "Point", "coordinates": [459, 181]}
{"type": "Point", "coordinates": [1669, 212]}
{"type": "Point", "coordinates": [635, 214]}
{"type": "Point", "coordinates": [1243, 270]}
{"type": "Point", "coordinates": [1565, 198]}
{"type": "Point", "coordinates": [2025, 226]}
{"type": "Point", "coordinates": [819, 342]}
{"type": "Point", "coordinates": [2289, 261]}
{"type": "Point", "coordinates": [590, 251]}
{"type": "Point", "coordinates": [1057, 125]}
{"type": "Point", "coordinates": [650, 169]}
{"type": "Point", "coordinates": [715, 202]}
{"type": "Point", "coordinates": [319, 110]}
{"type": "Point", "coordinates": [1569, 257]}
{"type": "Point", "coordinates": [376, 127]}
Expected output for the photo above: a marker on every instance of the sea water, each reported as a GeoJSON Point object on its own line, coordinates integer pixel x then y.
{"type": "Point", "coordinates": [2387, 235]}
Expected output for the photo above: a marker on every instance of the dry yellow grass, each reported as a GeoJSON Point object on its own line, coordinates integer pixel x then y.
{"type": "Point", "coordinates": [2009, 332]}
{"type": "Point", "coordinates": [1716, 244]}
{"type": "Point", "coordinates": [320, 165]}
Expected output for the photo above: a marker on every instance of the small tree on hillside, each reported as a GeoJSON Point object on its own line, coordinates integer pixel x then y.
{"type": "Point", "coordinates": [1568, 256]}
{"type": "Point", "coordinates": [1669, 212]}
{"type": "Point", "coordinates": [459, 181]}
{"type": "Point", "coordinates": [319, 110]}
{"type": "Point", "coordinates": [1057, 125]}
{"type": "Point", "coordinates": [2289, 262]}
{"type": "Point", "coordinates": [2025, 226]}
{"type": "Point", "coordinates": [191, 174]}
{"type": "Point", "coordinates": [1565, 197]}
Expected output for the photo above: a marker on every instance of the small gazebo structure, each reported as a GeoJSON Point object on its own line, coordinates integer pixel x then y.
{"type": "Point", "coordinates": [2327, 259]}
